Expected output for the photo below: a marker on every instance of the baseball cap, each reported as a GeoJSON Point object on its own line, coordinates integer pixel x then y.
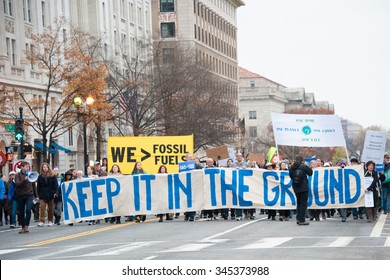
{"type": "Point", "coordinates": [12, 173]}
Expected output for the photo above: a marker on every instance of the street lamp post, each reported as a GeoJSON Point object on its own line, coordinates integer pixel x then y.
{"type": "Point", "coordinates": [89, 102]}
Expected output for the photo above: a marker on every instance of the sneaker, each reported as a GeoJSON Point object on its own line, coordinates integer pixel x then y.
{"type": "Point", "coordinates": [303, 223]}
{"type": "Point", "coordinates": [238, 218]}
{"type": "Point", "coordinates": [12, 226]}
{"type": "Point", "coordinates": [50, 224]}
{"type": "Point", "coordinates": [40, 224]}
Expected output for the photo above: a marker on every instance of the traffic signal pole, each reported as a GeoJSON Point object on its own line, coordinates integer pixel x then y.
{"type": "Point", "coordinates": [22, 139]}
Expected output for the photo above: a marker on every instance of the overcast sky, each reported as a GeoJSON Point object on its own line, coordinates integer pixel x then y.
{"type": "Point", "coordinates": [337, 49]}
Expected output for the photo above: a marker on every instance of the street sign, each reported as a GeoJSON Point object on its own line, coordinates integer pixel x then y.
{"type": "Point", "coordinates": [151, 151]}
{"type": "Point", "coordinates": [10, 127]}
{"type": "Point", "coordinates": [16, 166]}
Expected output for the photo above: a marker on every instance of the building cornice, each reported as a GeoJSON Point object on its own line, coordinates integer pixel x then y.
{"type": "Point", "coordinates": [238, 3]}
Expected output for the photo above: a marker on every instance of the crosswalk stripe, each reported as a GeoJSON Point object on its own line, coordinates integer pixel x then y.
{"type": "Point", "coordinates": [189, 247]}
{"type": "Point", "coordinates": [387, 243]}
{"type": "Point", "coordinates": [267, 243]}
{"type": "Point", "coordinates": [341, 242]}
{"type": "Point", "coordinates": [121, 249]}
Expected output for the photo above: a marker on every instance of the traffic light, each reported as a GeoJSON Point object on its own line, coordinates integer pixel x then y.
{"type": "Point", "coordinates": [19, 132]}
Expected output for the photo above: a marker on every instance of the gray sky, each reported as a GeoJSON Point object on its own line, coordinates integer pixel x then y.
{"type": "Point", "coordinates": [337, 49]}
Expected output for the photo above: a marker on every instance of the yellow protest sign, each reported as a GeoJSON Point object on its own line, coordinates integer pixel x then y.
{"type": "Point", "coordinates": [151, 151]}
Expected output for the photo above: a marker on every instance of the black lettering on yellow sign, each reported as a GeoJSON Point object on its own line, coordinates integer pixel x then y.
{"type": "Point", "coordinates": [168, 160]}
{"type": "Point", "coordinates": [118, 154]}
{"type": "Point", "coordinates": [170, 149]}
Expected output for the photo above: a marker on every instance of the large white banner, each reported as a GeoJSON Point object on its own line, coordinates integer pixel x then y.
{"type": "Point", "coordinates": [212, 188]}
{"type": "Point", "coordinates": [308, 130]}
{"type": "Point", "coordinates": [374, 148]}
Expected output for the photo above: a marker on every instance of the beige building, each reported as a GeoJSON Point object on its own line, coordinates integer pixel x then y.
{"type": "Point", "coordinates": [120, 24]}
{"type": "Point", "coordinates": [208, 28]}
{"type": "Point", "coordinates": [259, 96]}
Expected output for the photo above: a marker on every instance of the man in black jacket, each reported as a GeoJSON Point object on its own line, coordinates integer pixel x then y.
{"type": "Point", "coordinates": [302, 190]}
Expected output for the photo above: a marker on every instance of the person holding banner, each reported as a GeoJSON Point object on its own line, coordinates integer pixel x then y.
{"type": "Point", "coordinates": [114, 171]}
{"type": "Point", "coordinates": [301, 189]}
{"type": "Point", "coordinates": [239, 164]}
{"type": "Point", "coordinates": [372, 183]}
{"type": "Point", "coordinates": [163, 170]}
{"type": "Point", "coordinates": [385, 178]}
{"type": "Point", "coordinates": [357, 212]}
{"type": "Point", "coordinates": [136, 171]}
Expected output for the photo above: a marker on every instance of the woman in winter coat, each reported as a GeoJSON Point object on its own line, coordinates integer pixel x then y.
{"type": "Point", "coordinates": [47, 187]}
{"type": "Point", "coordinates": [373, 187]}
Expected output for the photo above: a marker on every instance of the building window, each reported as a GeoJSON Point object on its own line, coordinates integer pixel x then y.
{"type": "Point", "coordinates": [131, 12]}
{"type": "Point", "coordinates": [252, 131]}
{"type": "Point", "coordinates": [252, 83]}
{"type": "Point", "coordinates": [43, 13]}
{"type": "Point", "coordinates": [252, 115]}
{"type": "Point", "coordinates": [13, 52]}
{"type": "Point", "coordinates": [70, 136]}
{"type": "Point", "coordinates": [167, 6]}
{"type": "Point", "coordinates": [8, 6]}
{"type": "Point", "coordinates": [167, 55]}
{"type": "Point", "coordinates": [168, 30]}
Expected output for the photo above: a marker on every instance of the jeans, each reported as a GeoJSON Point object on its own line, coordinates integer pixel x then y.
{"type": "Point", "coordinates": [386, 199]}
{"type": "Point", "coordinates": [25, 204]}
{"type": "Point", "coordinates": [14, 209]}
{"type": "Point", "coordinates": [358, 212]}
{"type": "Point", "coordinates": [58, 208]}
{"type": "Point", "coordinates": [3, 209]}
{"type": "Point", "coordinates": [301, 205]}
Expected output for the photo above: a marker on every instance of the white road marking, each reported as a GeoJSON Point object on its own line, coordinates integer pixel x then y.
{"type": "Point", "coordinates": [377, 230]}
{"type": "Point", "coordinates": [267, 243]}
{"type": "Point", "coordinates": [121, 249]}
{"type": "Point", "coordinates": [387, 243]}
{"type": "Point", "coordinates": [189, 247]}
{"type": "Point", "coordinates": [8, 251]}
{"type": "Point", "coordinates": [341, 242]}
{"type": "Point", "coordinates": [207, 239]}
{"type": "Point", "coordinates": [150, 258]}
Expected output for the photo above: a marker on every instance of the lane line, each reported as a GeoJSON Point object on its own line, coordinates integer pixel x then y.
{"type": "Point", "coordinates": [81, 234]}
{"type": "Point", "coordinates": [8, 251]}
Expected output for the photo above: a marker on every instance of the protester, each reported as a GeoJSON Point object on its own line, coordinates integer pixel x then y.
{"type": "Point", "coordinates": [25, 193]}
{"type": "Point", "coordinates": [372, 190]}
{"type": "Point", "coordinates": [239, 164]}
{"type": "Point", "coordinates": [58, 197]}
{"type": "Point", "coordinates": [47, 187]}
{"type": "Point", "coordinates": [301, 189]}
{"type": "Point", "coordinates": [385, 186]}
{"type": "Point", "coordinates": [136, 171]}
{"type": "Point", "coordinates": [13, 202]}
{"type": "Point", "coordinates": [163, 170]}
{"type": "Point", "coordinates": [3, 202]}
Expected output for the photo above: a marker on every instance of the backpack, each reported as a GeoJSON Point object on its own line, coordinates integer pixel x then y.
{"type": "Point", "coordinates": [297, 180]}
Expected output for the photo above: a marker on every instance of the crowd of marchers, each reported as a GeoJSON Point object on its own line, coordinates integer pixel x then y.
{"type": "Point", "coordinates": [23, 201]}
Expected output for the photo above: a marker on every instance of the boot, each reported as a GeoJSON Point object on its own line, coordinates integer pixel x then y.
{"type": "Point", "coordinates": [57, 220]}
{"type": "Point", "coordinates": [369, 215]}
